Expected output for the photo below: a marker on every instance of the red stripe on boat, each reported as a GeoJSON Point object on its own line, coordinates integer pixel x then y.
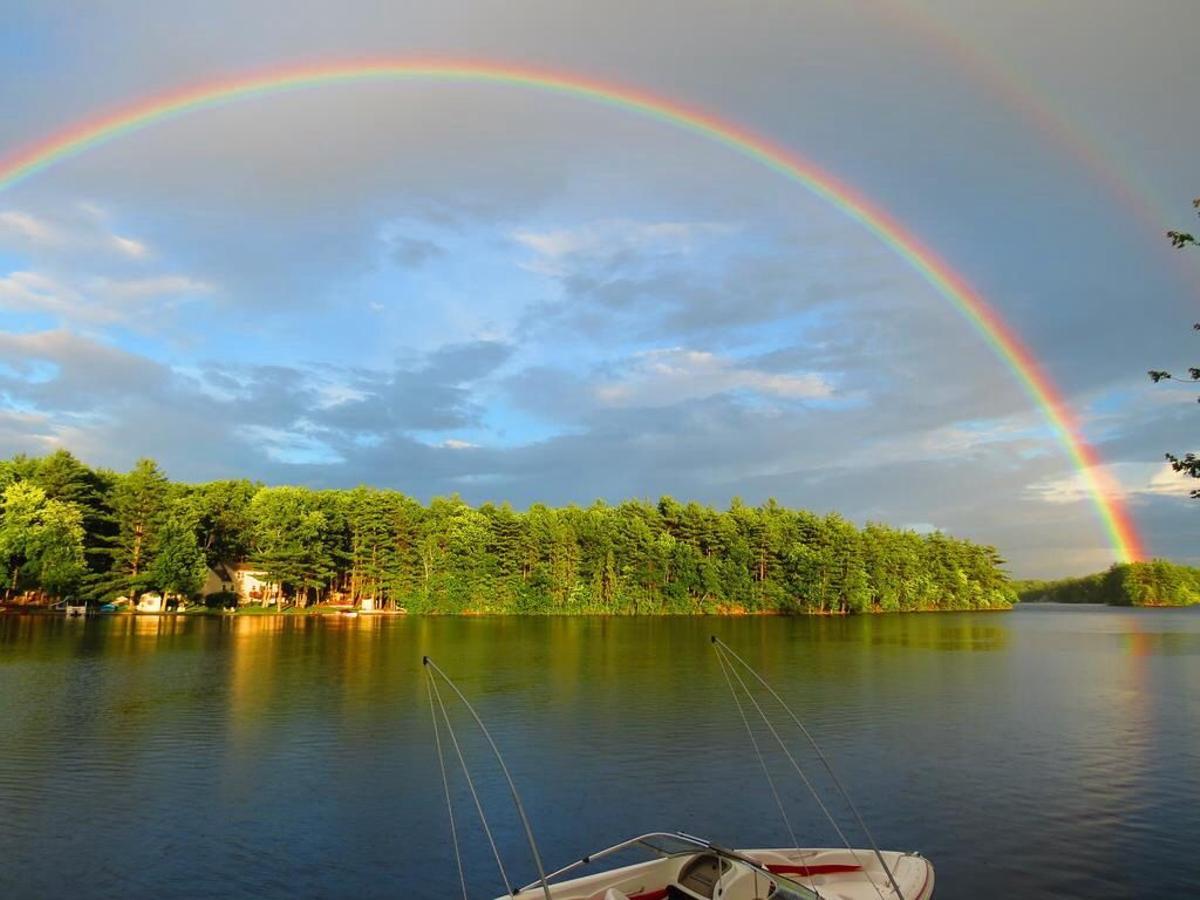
{"type": "Point", "coordinates": [650, 895]}
{"type": "Point", "coordinates": [830, 869]}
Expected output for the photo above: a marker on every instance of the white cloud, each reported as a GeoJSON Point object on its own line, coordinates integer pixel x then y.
{"type": "Point", "coordinates": [331, 394]}
{"type": "Point", "coordinates": [611, 237]}
{"type": "Point", "coordinates": [290, 445]}
{"type": "Point", "coordinates": [130, 247]}
{"type": "Point", "coordinates": [664, 377]}
{"type": "Point", "coordinates": [74, 234]}
{"type": "Point", "coordinates": [1017, 432]}
{"type": "Point", "coordinates": [34, 292]}
{"type": "Point", "coordinates": [1166, 481]}
{"type": "Point", "coordinates": [29, 228]}
{"type": "Point", "coordinates": [155, 286]}
{"type": "Point", "coordinates": [1117, 481]}
{"type": "Point", "coordinates": [98, 300]}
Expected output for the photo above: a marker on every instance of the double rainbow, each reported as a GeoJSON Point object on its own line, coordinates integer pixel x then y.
{"type": "Point", "coordinates": [1119, 526]}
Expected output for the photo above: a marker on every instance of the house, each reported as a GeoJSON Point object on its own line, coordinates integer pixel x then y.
{"type": "Point", "coordinates": [247, 582]}
{"type": "Point", "coordinates": [252, 587]}
{"type": "Point", "coordinates": [218, 580]}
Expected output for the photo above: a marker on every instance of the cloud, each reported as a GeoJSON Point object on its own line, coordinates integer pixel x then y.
{"type": "Point", "coordinates": [130, 247]}
{"type": "Point", "coordinates": [673, 280]}
{"type": "Point", "coordinates": [155, 287]}
{"type": "Point", "coordinates": [20, 224]}
{"type": "Point", "coordinates": [292, 446]}
{"type": "Point", "coordinates": [99, 300]}
{"type": "Point", "coordinates": [674, 375]}
{"type": "Point", "coordinates": [84, 230]}
{"type": "Point", "coordinates": [87, 376]}
{"type": "Point", "coordinates": [1123, 481]}
{"type": "Point", "coordinates": [556, 250]}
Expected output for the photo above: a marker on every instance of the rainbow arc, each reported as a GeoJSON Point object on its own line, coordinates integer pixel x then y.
{"type": "Point", "coordinates": [982, 317]}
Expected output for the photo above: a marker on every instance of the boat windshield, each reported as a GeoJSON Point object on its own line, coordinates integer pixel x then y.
{"type": "Point", "coordinates": [727, 865]}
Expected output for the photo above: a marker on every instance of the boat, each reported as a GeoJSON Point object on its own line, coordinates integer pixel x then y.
{"type": "Point", "coordinates": [686, 867]}
{"type": "Point", "coordinates": [683, 866]}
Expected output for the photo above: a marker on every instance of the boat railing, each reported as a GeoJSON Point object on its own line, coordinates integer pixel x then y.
{"type": "Point", "coordinates": [692, 844]}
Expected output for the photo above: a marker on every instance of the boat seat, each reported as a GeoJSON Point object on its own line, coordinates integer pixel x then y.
{"type": "Point", "coordinates": [614, 894]}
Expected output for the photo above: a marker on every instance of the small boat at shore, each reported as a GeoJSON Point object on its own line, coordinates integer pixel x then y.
{"type": "Point", "coordinates": [685, 867]}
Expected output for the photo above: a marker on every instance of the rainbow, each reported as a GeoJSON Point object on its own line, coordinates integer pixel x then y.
{"type": "Point", "coordinates": [1118, 525]}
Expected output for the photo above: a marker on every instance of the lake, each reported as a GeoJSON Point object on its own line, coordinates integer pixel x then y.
{"type": "Point", "coordinates": [1047, 752]}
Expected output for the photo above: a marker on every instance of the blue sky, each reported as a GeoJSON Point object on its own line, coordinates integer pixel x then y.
{"type": "Point", "coordinates": [519, 297]}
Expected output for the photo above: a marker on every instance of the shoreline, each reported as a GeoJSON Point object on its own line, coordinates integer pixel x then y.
{"type": "Point", "coordinates": [255, 613]}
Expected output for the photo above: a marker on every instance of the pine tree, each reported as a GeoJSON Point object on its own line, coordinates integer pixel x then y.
{"type": "Point", "coordinates": [139, 501]}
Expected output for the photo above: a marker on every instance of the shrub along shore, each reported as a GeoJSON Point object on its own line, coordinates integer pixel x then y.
{"type": "Point", "coordinates": [70, 530]}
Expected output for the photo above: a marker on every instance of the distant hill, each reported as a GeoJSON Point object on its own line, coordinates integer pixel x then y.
{"type": "Point", "coordinates": [1154, 583]}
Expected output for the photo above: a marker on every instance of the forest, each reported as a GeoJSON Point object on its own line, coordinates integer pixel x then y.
{"type": "Point", "coordinates": [1154, 583]}
{"type": "Point", "coordinates": [67, 529]}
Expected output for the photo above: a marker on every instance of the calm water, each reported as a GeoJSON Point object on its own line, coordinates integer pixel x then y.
{"type": "Point", "coordinates": [1048, 752]}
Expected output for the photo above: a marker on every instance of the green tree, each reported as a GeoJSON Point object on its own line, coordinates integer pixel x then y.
{"type": "Point", "coordinates": [223, 521]}
{"type": "Point", "coordinates": [638, 557]}
{"type": "Point", "coordinates": [41, 541]}
{"type": "Point", "coordinates": [65, 478]}
{"type": "Point", "coordinates": [139, 501]}
{"type": "Point", "coordinates": [291, 541]}
{"type": "Point", "coordinates": [178, 565]}
{"type": "Point", "coordinates": [1186, 463]}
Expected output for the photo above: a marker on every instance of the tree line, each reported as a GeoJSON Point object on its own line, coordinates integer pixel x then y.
{"type": "Point", "coordinates": [1154, 583]}
{"type": "Point", "coordinates": [68, 529]}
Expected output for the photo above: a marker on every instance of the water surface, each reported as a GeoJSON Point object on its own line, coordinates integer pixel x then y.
{"type": "Point", "coordinates": [1047, 752]}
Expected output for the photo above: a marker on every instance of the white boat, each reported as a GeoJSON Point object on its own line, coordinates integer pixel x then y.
{"type": "Point", "coordinates": [689, 868]}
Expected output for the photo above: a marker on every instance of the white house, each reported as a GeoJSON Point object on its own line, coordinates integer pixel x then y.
{"type": "Point", "coordinates": [150, 602]}
{"type": "Point", "coordinates": [252, 586]}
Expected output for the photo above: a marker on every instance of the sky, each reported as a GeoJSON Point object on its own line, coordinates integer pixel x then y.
{"type": "Point", "coordinates": [514, 296]}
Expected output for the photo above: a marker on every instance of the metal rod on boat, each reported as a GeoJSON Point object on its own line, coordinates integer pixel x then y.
{"type": "Point", "coordinates": [795, 764]}
{"type": "Point", "coordinates": [821, 756]}
{"type": "Point", "coordinates": [758, 751]}
{"type": "Point", "coordinates": [537, 857]}
{"type": "Point", "coordinates": [437, 737]}
{"type": "Point", "coordinates": [435, 692]}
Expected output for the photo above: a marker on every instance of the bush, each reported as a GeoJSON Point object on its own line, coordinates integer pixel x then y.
{"type": "Point", "coordinates": [221, 600]}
